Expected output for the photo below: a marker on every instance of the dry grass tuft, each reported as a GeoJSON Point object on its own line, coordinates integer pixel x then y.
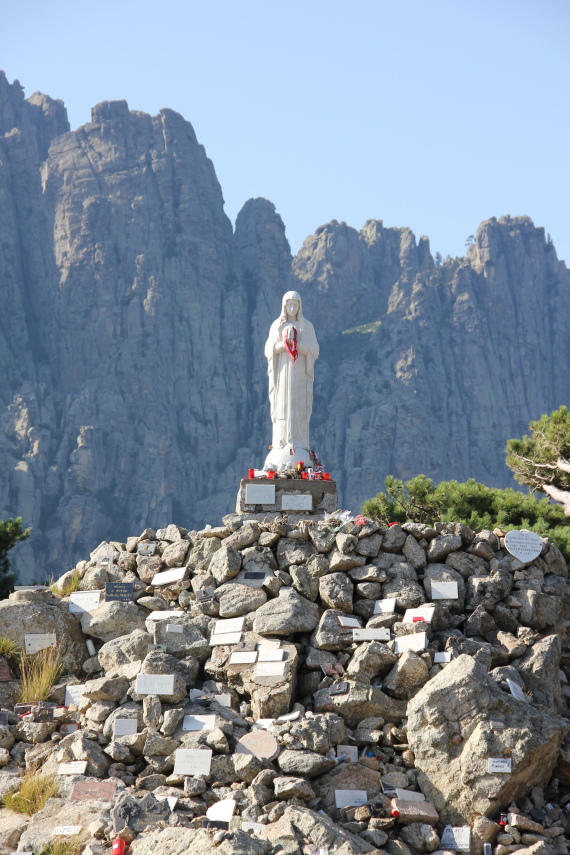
{"type": "Point", "coordinates": [64, 846]}
{"type": "Point", "coordinates": [32, 794]}
{"type": "Point", "coordinates": [69, 587]}
{"type": "Point", "coordinates": [38, 674]}
{"type": "Point", "coordinates": [8, 649]}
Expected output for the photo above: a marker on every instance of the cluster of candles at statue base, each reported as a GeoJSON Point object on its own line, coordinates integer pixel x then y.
{"type": "Point", "coordinates": [308, 474]}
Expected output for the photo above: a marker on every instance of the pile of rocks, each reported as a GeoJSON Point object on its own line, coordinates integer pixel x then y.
{"type": "Point", "coordinates": [259, 687]}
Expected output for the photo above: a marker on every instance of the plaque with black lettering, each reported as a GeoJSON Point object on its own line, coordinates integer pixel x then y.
{"type": "Point", "coordinates": [338, 689]}
{"type": "Point", "coordinates": [22, 709]}
{"type": "Point", "coordinates": [118, 592]}
{"type": "Point", "coordinates": [205, 594]}
{"type": "Point", "coordinates": [254, 574]}
{"type": "Point", "coordinates": [215, 823]}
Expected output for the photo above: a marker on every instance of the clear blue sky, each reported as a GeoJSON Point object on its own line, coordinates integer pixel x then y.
{"type": "Point", "coordinates": [433, 115]}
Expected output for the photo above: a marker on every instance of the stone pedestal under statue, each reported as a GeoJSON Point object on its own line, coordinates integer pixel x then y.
{"type": "Point", "coordinates": [260, 498]}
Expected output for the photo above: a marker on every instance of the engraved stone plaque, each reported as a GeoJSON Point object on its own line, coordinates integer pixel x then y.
{"type": "Point", "coordinates": [290, 502]}
{"type": "Point", "coordinates": [260, 494]}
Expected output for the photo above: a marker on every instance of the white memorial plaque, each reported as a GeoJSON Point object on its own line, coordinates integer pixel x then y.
{"type": "Point", "coordinates": [167, 577]}
{"type": "Point", "coordinates": [350, 751]}
{"type": "Point", "coordinates": [444, 591]}
{"type": "Point", "coordinates": [269, 669]}
{"type": "Point", "coordinates": [260, 494]}
{"type": "Point", "coordinates": [221, 811]}
{"type": "Point", "coordinates": [456, 837]}
{"type": "Point", "coordinates": [350, 798]}
{"type": "Point", "coordinates": [84, 601]}
{"type": "Point", "coordinates": [243, 657]}
{"type": "Point", "coordinates": [224, 639]}
{"type": "Point", "coordinates": [516, 690]}
{"type": "Point", "coordinates": [125, 726]}
{"type": "Point", "coordinates": [74, 767]}
{"type": "Point", "coordinates": [164, 615]}
{"type": "Point", "coordinates": [192, 761]}
{"type": "Point", "coordinates": [348, 622]}
{"type": "Point", "coordinates": [264, 723]}
{"type": "Point", "coordinates": [270, 654]}
{"type": "Point", "coordinates": [290, 716]}
{"type": "Point", "coordinates": [385, 607]}
{"type": "Point", "coordinates": [245, 826]}
{"type": "Point", "coordinates": [498, 764]}
{"type": "Point", "coordinates": [198, 722]}
{"type": "Point", "coordinates": [174, 627]}
{"type": "Point", "coordinates": [524, 545]}
{"type": "Point", "coordinates": [290, 502]}
{"type": "Point", "coordinates": [380, 633]}
{"type": "Point", "coordinates": [154, 684]}
{"type": "Point", "coordinates": [441, 658]}
{"type": "Point", "coordinates": [66, 830]}
{"type": "Point", "coordinates": [223, 627]}
{"type": "Point", "coordinates": [223, 700]}
{"type": "Point", "coordinates": [73, 695]}
{"type": "Point", "coordinates": [37, 641]}
{"type": "Point", "coordinates": [497, 723]}
{"type": "Point", "coordinates": [31, 587]}
{"type": "Point", "coordinates": [66, 729]}
{"type": "Point", "coordinates": [410, 642]}
{"type": "Point", "coordinates": [425, 613]}
{"type": "Point", "coordinates": [409, 795]}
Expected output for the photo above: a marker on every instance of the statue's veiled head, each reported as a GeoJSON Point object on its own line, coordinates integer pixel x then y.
{"type": "Point", "coordinates": [291, 306]}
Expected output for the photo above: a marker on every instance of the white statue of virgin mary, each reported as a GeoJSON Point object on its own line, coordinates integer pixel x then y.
{"type": "Point", "coordinates": [291, 350]}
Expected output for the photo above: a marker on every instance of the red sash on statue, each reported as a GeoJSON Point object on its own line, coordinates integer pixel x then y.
{"type": "Point", "coordinates": [290, 340]}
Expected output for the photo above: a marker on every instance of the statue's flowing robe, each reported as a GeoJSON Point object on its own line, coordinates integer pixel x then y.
{"type": "Point", "coordinates": [291, 384]}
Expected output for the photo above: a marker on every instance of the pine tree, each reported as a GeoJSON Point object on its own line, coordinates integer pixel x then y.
{"type": "Point", "coordinates": [11, 533]}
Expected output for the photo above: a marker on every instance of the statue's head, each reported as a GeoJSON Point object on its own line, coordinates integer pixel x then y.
{"type": "Point", "coordinates": [291, 307]}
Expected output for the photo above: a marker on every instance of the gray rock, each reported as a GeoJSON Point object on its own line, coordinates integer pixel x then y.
{"type": "Point", "coordinates": [226, 563]}
{"type": "Point", "coordinates": [394, 539]}
{"type": "Point", "coordinates": [289, 613]}
{"type": "Point", "coordinates": [236, 599]}
{"type": "Point", "coordinates": [408, 674]}
{"type": "Point", "coordinates": [336, 591]}
{"type": "Point", "coordinates": [369, 660]}
{"type": "Point", "coordinates": [440, 547]}
{"type": "Point", "coordinates": [329, 635]}
{"type": "Point", "coordinates": [38, 616]}
{"type": "Point", "coordinates": [286, 788]}
{"type": "Point", "coordinates": [307, 764]}
{"type": "Point", "coordinates": [361, 701]}
{"type": "Point", "coordinates": [445, 573]}
{"type": "Point", "coordinates": [539, 669]}
{"type": "Point", "coordinates": [112, 619]}
{"type": "Point", "coordinates": [538, 610]}
{"type": "Point", "coordinates": [304, 582]}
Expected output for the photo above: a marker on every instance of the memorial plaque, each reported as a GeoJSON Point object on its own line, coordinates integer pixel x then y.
{"type": "Point", "coordinates": [223, 700]}
{"type": "Point", "coordinates": [206, 594]}
{"type": "Point", "coordinates": [192, 761]}
{"type": "Point", "coordinates": [426, 613]}
{"type": "Point", "coordinates": [198, 722]}
{"type": "Point", "coordinates": [138, 814]}
{"type": "Point", "coordinates": [348, 622]}
{"type": "Point", "coordinates": [66, 830]}
{"type": "Point", "coordinates": [444, 591]}
{"type": "Point", "coordinates": [73, 695]}
{"type": "Point", "coordinates": [339, 689]}
{"type": "Point", "coordinates": [68, 727]}
{"type": "Point", "coordinates": [269, 669]}
{"type": "Point", "coordinates": [381, 633]}
{"type": "Point", "coordinates": [260, 494]}
{"type": "Point", "coordinates": [350, 798]}
{"type": "Point", "coordinates": [174, 627]}
{"type": "Point", "coordinates": [290, 502]}
{"type": "Point", "coordinates": [524, 545]}
{"type": "Point", "coordinates": [31, 587]}
{"type": "Point", "coordinates": [146, 549]}
{"type": "Point", "coordinates": [516, 690]}
{"type": "Point", "coordinates": [410, 642]}
{"type": "Point", "coordinates": [34, 642]}
{"type": "Point", "coordinates": [385, 607]}
{"type": "Point", "coordinates": [44, 712]}
{"type": "Point", "coordinates": [243, 657]}
{"type": "Point", "coordinates": [408, 795]}
{"type": "Point", "coordinates": [5, 674]}
{"type": "Point", "coordinates": [497, 723]}
{"type": "Point", "coordinates": [350, 751]}
{"type": "Point", "coordinates": [290, 716]}
{"type": "Point", "coordinates": [151, 647]}
{"type": "Point", "coordinates": [119, 592]}
{"type": "Point", "coordinates": [22, 709]}
{"type": "Point", "coordinates": [270, 654]}
{"type": "Point", "coordinates": [103, 791]}
{"type": "Point", "coordinates": [154, 684]}
{"type": "Point", "coordinates": [223, 640]}
{"type": "Point", "coordinates": [104, 555]}
{"type": "Point", "coordinates": [260, 743]}
{"type": "Point", "coordinates": [167, 577]}
{"type": "Point", "coordinates": [457, 838]}
{"type": "Point", "coordinates": [498, 764]}
{"type": "Point", "coordinates": [165, 615]}
{"type": "Point", "coordinates": [440, 658]}
{"type": "Point", "coordinates": [255, 574]}
{"type": "Point", "coordinates": [125, 726]}
{"type": "Point", "coordinates": [223, 627]}
{"type": "Point", "coordinates": [4, 718]}
{"type": "Point", "coordinates": [74, 767]}
{"type": "Point", "coordinates": [221, 811]}
{"type": "Point", "coordinates": [84, 601]}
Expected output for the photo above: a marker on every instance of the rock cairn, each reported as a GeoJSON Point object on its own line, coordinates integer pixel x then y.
{"type": "Point", "coordinates": [320, 687]}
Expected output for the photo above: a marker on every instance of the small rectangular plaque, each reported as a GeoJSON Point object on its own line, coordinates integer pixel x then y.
{"type": "Point", "coordinates": [499, 764]}
{"type": "Point", "coordinates": [254, 574]}
{"type": "Point", "coordinates": [69, 727]}
{"type": "Point", "coordinates": [457, 838]}
{"type": "Point", "coordinates": [174, 627]}
{"type": "Point", "coordinates": [243, 657]}
{"type": "Point", "coordinates": [84, 601]}
{"type": "Point", "coordinates": [290, 502]}
{"type": "Point", "coordinates": [225, 639]}
{"type": "Point", "coordinates": [270, 654]}
{"type": "Point", "coordinates": [269, 669]}
{"type": "Point", "coordinates": [203, 595]}
{"type": "Point", "coordinates": [119, 592]}
{"type": "Point", "coordinates": [380, 633]}
{"type": "Point", "coordinates": [348, 622]}
{"type": "Point", "coordinates": [222, 627]}
{"type": "Point", "coordinates": [34, 642]}
{"type": "Point", "coordinates": [410, 642]}
{"type": "Point", "coordinates": [146, 549]}
{"type": "Point", "coordinates": [167, 577]}
{"type": "Point", "coordinates": [497, 723]}
{"type": "Point", "coordinates": [426, 613]}
{"type": "Point", "coordinates": [260, 494]}
{"type": "Point", "coordinates": [192, 761]}
{"type": "Point", "coordinates": [385, 607]}
{"type": "Point", "coordinates": [73, 694]}
{"type": "Point", "coordinates": [154, 684]}
{"type": "Point", "coordinates": [66, 830]}
{"type": "Point", "coordinates": [350, 798]}
{"type": "Point", "coordinates": [31, 587]}
{"type": "Point", "coordinates": [221, 811]}
{"type": "Point", "coordinates": [93, 790]}
{"type": "Point", "coordinates": [165, 615]}
{"type": "Point", "coordinates": [440, 657]}
{"type": "Point", "coordinates": [516, 690]}
{"type": "Point", "coordinates": [198, 722]}
{"type": "Point", "coordinates": [74, 767]}
{"type": "Point", "coordinates": [350, 751]}
{"type": "Point", "coordinates": [408, 795]}
{"type": "Point", "coordinates": [444, 591]}
{"type": "Point", "coordinates": [125, 726]}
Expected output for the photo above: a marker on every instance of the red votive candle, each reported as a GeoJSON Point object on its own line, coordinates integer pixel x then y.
{"type": "Point", "coordinates": [326, 476]}
{"type": "Point", "coordinates": [305, 476]}
{"type": "Point", "coordinates": [119, 846]}
{"type": "Point", "coordinates": [271, 473]}
{"type": "Point", "coordinates": [251, 473]}
{"type": "Point", "coordinates": [300, 466]}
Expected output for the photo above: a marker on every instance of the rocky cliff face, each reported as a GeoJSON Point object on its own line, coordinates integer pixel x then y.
{"type": "Point", "coordinates": [134, 385]}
